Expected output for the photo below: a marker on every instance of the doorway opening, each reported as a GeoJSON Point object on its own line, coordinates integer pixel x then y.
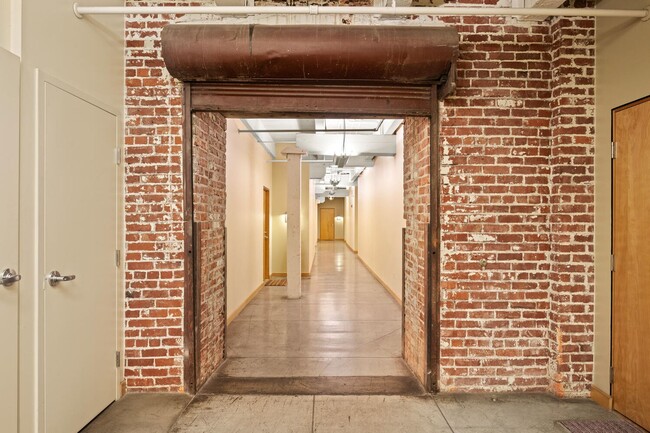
{"type": "Point", "coordinates": [348, 323]}
{"type": "Point", "coordinates": [310, 81]}
{"type": "Point", "coordinates": [264, 335]}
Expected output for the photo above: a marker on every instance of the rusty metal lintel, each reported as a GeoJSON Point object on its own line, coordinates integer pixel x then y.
{"type": "Point", "coordinates": [305, 101]}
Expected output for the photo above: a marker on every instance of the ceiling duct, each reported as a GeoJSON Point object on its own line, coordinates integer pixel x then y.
{"type": "Point", "coordinates": [348, 144]}
{"type": "Point", "coordinates": [341, 161]}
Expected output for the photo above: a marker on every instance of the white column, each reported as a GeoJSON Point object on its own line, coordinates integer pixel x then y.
{"type": "Point", "coordinates": [294, 182]}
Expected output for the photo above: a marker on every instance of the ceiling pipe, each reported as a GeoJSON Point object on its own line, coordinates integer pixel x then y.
{"type": "Point", "coordinates": [80, 11]}
{"type": "Point", "coordinates": [306, 161]}
{"type": "Point", "coordinates": [252, 131]}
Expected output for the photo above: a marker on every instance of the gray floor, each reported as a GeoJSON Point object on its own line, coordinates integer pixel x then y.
{"type": "Point", "coordinates": [499, 413]}
{"type": "Point", "coordinates": [345, 324]}
{"type": "Point", "coordinates": [140, 413]}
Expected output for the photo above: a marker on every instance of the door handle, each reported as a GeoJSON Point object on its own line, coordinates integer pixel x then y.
{"type": "Point", "coordinates": [9, 277]}
{"type": "Point", "coordinates": [54, 278]}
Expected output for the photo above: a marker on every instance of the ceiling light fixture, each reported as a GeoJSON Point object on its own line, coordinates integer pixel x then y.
{"type": "Point", "coordinates": [335, 178]}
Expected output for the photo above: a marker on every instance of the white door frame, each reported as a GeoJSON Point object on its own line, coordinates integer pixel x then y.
{"type": "Point", "coordinates": [10, 253]}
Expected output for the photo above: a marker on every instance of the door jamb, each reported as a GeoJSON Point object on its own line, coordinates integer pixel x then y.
{"type": "Point", "coordinates": [192, 326]}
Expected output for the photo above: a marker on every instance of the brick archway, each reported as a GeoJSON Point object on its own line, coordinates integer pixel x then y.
{"type": "Point", "coordinates": [409, 89]}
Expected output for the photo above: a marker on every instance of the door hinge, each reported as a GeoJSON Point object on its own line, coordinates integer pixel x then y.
{"type": "Point", "coordinates": [117, 358]}
{"type": "Point", "coordinates": [611, 374]}
{"type": "Point", "coordinates": [611, 263]}
{"type": "Point", "coordinates": [118, 258]}
{"type": "Point", "coordinates": [614, 152]}
{"type": "Point", "coordinates": [118, 156]}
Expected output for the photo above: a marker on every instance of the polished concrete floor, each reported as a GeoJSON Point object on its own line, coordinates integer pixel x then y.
{"type": "Point", "coordinates": [484, 413]}
{"type": "Point", "coordinates": [345, 324]}
{"type": "Point", "coordinates": [345, 328]}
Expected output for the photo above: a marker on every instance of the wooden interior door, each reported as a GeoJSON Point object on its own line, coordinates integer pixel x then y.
{"type": "Point", "coordinates": [267, 232]}
{"type": "Point", "coordinates": [9, 113]}
{"type": "Point", "coordinates": [631, 276]}
{"type": "Point", "coordinates": [327, 224]}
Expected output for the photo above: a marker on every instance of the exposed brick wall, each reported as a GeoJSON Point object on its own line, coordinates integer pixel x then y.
{"type": "Point", "coordinates": [209, 165]}
{"type": "Point", "coordinates": [507, 207]}
{"type": "Point", "coordinates": [416, 214]}
{"type": "Point", "coordinates": [516, 213]}
{"type": "Point", "coordinates": [494, 206]}
{"type": "Point", "coordinates": [572, 206]}
{"type": "Point", "coordinates": [153, 212]}
{"type": "Point", "coordinates": [154, 218]}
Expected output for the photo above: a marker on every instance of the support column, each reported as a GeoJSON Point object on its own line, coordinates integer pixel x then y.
{"type": "Point", "coordinates": [294, 182]}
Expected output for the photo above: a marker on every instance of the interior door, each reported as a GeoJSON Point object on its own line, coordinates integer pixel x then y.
{"type": "Point", "coordinates": [9, 121]}
{"type": "Point", "coordinates": [267, 232]}
{"type": "Point", "coordinates": [80, 227]}
{"type": "Point", "coordinates": [631, 276]}
{"type": "Point", "coordinates": [327, 224]}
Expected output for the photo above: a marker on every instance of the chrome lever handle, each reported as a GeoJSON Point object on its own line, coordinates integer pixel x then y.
{"type": "Point", "coordinates": [54, 278]}
{"type": "Point", "coordinates": [9, 277]}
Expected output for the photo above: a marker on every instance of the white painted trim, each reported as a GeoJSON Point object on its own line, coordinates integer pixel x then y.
{"type": "Point", "coordinates": [80, 11]}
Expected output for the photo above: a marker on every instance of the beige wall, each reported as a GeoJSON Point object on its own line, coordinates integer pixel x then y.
{"type": "Point", "coordinates": [338, 204]}
{"type": "Point", "coordinates": [87, 56]}
{"type": "Point", "coordinates": [247, 173]}
{"type": "Point", "coordinates": [10, 25]}
{"type": "Point", "coordinates": [279, 227]}
{"type": "Point", "coordinates": [622, 65]}
{"type": "Point", "coordinates": [5, 24]}
{"type": "Point", "coordinates": [350, 216]}
{"type": "Point", "coordinates": [381, 217]}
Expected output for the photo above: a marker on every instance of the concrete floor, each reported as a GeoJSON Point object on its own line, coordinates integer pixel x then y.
{"type": "Point", "coordinates": [140, 413]}
{"type": "Point", "coordinates": [345, 327]}
{"type": "Point", "coordinates": [499, 413]}
{"type": "Point", "coordinates": [345, 324]}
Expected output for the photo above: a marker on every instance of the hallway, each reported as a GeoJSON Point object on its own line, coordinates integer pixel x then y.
{"type": "Point", "coordinates": [345, 325]}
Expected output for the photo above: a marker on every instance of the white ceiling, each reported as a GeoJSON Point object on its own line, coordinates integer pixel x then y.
{"type": "Point", "coordinates": [346, 146]}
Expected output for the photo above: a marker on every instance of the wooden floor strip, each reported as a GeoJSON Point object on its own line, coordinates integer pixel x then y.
{"type": "Point", "coordinates": [276, 282]}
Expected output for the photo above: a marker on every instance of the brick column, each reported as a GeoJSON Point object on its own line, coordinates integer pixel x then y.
{"type": "Point", "coordinates": [209, 166]}
{"type": "Point", "coordinates": [416, 214]}
{"type": "Point", "coordinates": [572, 207]}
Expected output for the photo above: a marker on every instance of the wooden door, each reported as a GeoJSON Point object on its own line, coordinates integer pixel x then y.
{"type": "Point", "coordinates": [631, 276]}
{"type": "Point", "coordinates": [327, 224]}
{"type": "Point", "coordinates": [267, 232]}
{"type": "Point", "coordinates": [79, 228]}
{"type": "Point", "coordinates": [9, 121]}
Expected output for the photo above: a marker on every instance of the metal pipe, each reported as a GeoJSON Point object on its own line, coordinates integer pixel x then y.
{"type": "Point", "coordinates": [306, 161]}
{"type": "Point", "coordinates": [253, 131]}
{"type": "Point", "coordinates": [80, 11]}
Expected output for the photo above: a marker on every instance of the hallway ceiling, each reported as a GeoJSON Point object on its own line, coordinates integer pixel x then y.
{"type": "Point", "coordinates": [345, 146]}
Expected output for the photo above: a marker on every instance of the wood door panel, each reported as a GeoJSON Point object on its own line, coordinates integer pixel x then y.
{"type": "Point", "coordinates": [266, 234]}
{"type": "Point", "coordinates": [327, 224]}
{"type": "Point", "coordinates": [631, 276]}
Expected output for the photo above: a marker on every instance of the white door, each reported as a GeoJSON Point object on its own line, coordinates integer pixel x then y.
{"type": "Point", "coordinates": [9, 107]}
{"type": "Point", "coordinates": [79, 199]}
